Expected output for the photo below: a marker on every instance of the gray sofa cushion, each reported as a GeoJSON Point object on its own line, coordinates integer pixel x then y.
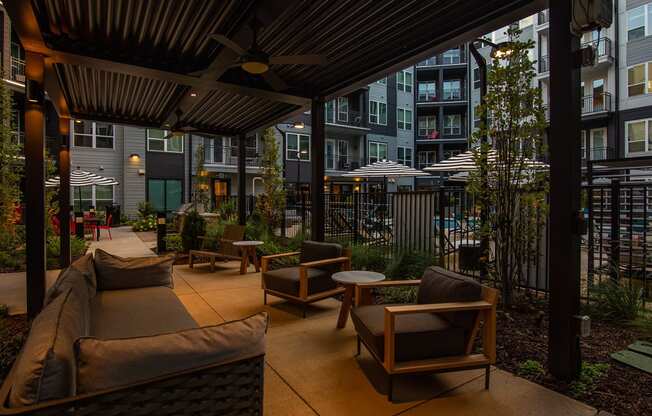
{"type": "Point", "coordinates": [138, 312]}
{"type": "Point", "coordinates": [439, 285]}
{"type": "Point", "coordinates": [112, 363]}
{"type": "Point", "coordinates": [418, 336]}
{"type": "Point", "coordinates": [86, 265]}
{"type": "Point", "coordinates": [286, 280]}
{"type": "Point", "coordinates": [115, 273]}
{"type": "Point", "coordinates": [70, 277]}
{"type": "Point", "coordinates": [313, 251]}
{"type": "Point", "coordinates": [45, 369]}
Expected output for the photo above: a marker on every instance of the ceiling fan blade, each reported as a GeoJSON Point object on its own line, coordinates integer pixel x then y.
{"type": "Point", "coordinates": [297, 60]}
{"type": "Point", "coordinates": [229, 44]}
{"type": "Point", "coordinates": [274, 80]}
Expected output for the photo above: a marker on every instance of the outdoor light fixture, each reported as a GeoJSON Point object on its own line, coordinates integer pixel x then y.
{"type": "Point", "coordinates": [134, 156]}
{"type": "Point", "coordinates": [34, 92]}
{"type": "Point", "coordinates": [298, 125]}
{"type": "Point", "coordinates": [78, 121]}
{"type": "Point", "coordinates": [194, 94]}
{"type": "Point", "coordinates": [255, 65]}
{"type": "Point", "coordinates": [502, 50]}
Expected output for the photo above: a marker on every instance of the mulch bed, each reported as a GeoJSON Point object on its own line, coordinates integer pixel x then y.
{"type": "Point", "coordinates": [13, 331]}
{"type": "Point", "coordinates": [523, 335]}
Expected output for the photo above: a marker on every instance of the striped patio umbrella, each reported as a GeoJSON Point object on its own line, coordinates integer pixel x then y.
{"type": "Point", "coordinates": [464, 162]}
{"type": "Point", "coordinates": [385, 169]}
{"type": "Point", "coordinates": [81, 178]}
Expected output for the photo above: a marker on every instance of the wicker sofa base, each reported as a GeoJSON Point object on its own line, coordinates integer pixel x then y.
{"type": "Point", "coordinates": [226, 389]}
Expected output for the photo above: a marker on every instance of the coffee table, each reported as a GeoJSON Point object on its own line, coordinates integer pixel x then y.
{"type": "Point", "coordinates": [349, 279]}
{"type": "Point", "coordinates": [248, 249]}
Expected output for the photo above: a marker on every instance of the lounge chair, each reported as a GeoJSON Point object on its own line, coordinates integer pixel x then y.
{"type": "Point", "coordinates": [225, 249]}
{"type": "Point", "coordinates": [310, 281]}
{"type": "Point", "coordinates": [437, 333]}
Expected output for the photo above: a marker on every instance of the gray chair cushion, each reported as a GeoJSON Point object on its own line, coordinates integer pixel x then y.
{"type": "Point", "coordinates": [313, 251]}
{"type": "Point", "coordinates": [45, 369]}
{"type": "Point", "coordinates": [138, 312]}
{"type": "Point", "coordinates": [115, 273]}
{"type": "Point", "coordinates": [112, 363]}
{"type": "Point", "coordinates": [286, 280]}
{"type": "Point", "coordinates": [418, 336]}
{"type": "Point", "coordinates": [439, 285]}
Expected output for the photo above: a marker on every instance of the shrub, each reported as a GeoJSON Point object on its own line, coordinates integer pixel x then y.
{"type": "Point", "coordinates": [193, 227]}
{"type": "Point", "coordinates": [147, 223]}
{"type": "Point", "coordinates": [409, 265]}
{"type": "Point", "coordinates": [77, 249]}
{"type": "Point", "coordinates": [174, 242]}
{"type": "Point", "coordinates": [145, 209]}
{"type": "Point", "coordinates": [228, 210]}
{"type": "Point", "coordinates": [4, 310]}
{"type": "Point", "coordinates": [531, 368]}
{"type": "Point", "coordinates": [368, 258]}
{"type": "Point", "coordinates": [616, 302]}
{"type": "Point", "coordinates": [588, 379]}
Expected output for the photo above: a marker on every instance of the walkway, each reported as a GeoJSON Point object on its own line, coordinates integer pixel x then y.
{"type": "Point", "coordinates": [311, 368]}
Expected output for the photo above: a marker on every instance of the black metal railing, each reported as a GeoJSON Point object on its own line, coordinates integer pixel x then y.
{"type": "Point", "coordinates": [599, 153]}
{"type": "Point", "coordinates": [227, 155]}
{"type": "Point", "coordinates": [596, 103]}
{"type": "Point", "coordinates": [544, 64]}
{"type": "Point", "coordinates": [601, 45]}
{"type": "Point", "coordinates": [342, 163]}
{"type": "Point", "coordinates": [441, 59]}
{"type": "Point", "coordinates": [353, 118]}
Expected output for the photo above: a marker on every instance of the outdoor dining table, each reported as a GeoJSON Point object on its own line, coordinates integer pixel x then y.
{"type": "Point", "coordinates": [94, 221]}
{"type": "Point", "coordinates": [349, 279]}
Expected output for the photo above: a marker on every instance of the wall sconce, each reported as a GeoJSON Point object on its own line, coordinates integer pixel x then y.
{"type": "Point", "coordinates": [325, 178]}
{"type": "Point", "coordinates": [34, 92]}
{"type": "Point", "coordinates": [356, 188]}
{"type": "Point", "coordinates": [356, 179]}
{"type": "Point", "coordinates": [141, 172]}
{"type": "Point", "coordinates": [134, 157]}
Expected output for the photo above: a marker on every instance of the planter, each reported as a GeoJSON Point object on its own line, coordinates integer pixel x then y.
{"type": "Point", "coordinates": [469, 257]}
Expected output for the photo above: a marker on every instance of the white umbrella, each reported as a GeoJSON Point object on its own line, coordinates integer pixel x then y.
{"type": "Point", "coordinates": [385, 169]}
{"type": "Point", "coordinates": [465, 162]}
{"type": "Point", "coordinates": [81, 178]}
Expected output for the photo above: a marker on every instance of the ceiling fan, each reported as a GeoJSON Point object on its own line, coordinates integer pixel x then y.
{"type": "Point", "coordinates": [256, 61]}
{"type": "Point", "coordinates": [174, 129]}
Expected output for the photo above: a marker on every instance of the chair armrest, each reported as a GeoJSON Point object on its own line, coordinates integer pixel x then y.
{"type": "Point", "coordinates": [326, 262]}
{"type": "Point", "coordinates": [363, 290]}
{"type": "Point", "coordinates": [438, 307]}
{"type": "Point", "coordinates": [265, 260]}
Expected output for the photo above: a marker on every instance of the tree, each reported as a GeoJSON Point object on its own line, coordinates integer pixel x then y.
{"type": "Point", "coordinates": [10, 165]}
{"type": "Point", "coordinates": [271, 203]}
{"type": "Point", "coordinates": [200, 189]}
{"type": "Point", "coordinates": [511, 187]}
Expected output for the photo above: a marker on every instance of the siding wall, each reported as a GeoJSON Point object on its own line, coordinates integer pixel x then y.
{"type": "Point", "coordinates": [134, 189]}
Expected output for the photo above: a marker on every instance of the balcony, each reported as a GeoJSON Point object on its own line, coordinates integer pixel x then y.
{"type": "Point", "coordinates": [227, 156]}
{"type": "Point", "coordinates": [428, 62]}
{"type": "Point", "coordinates": [17, 70]}
{"type": "Point", "coordinates": [544, 64]}
{"type": "Point", "coordinates": [353, 119]}
{"type": "Point", "coordinates": [602, 48]}
{"type": "Point", "coordinates": [596, 103]}
{"type": "Point", "coordinates": [444, 59]}
{"type": "Point", "coordinates": [342, 163]}
{"type": "Point", "coordinates": [430, 96]}
{"type": "Point", "coordinates": [600, 153]}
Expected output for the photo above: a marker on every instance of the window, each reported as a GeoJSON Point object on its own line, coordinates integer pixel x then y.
{"type": "Point", "coordinates": [451, 56]}
{"type": "Point", "coordinates": [427, 91]}
{"type": "Point", "coordinates": [378, 112]}
{"type": "Point", "coordinates": [477, 82]}
{"type": "Point", "coordinates": [638, 135]}
{"type": "Point", "coordinates": [343, 153]}
{"type": "Point", "coordinates": [91, 134]}
{"type": "Point", "coordinates": [636, 23]}
{"type": "Point", "coordinates": [427, 158]}
{"type": "Point", "coordinates": [157, 142]}
{"type": "Point", "coordinates": [330, 111]}
{"type": "Point", "coordinates": [404, 155]}
{"type": "Point", "coordinates": [98, 196]}
{"type": "Point", "coordinates": [453, 124]}
{"type": "Point", "coordinates": [377, 151]}
{"type": "Point", "coordinates": [216, 149]}
{"type": "Point", "coordinates": [343, 109]}
{"type": "Point", "coordinates": [164, 194]}
{"type": "Point", "coordinates": [453, 89]}
{"type": "Point", "coordinates": [404, 81]}
{"type": "Point", "coordinates": [404, 119]}
{"type": "Point", "coordinates": [639, 79]}
{"type": "Point", "coordinates": [382, 81]}
{"type": "Point", "coordinates": [427, 125]}
{"type": "Point", "coordinates": [297, 146]}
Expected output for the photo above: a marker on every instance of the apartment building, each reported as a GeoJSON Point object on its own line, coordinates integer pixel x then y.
{"type": "Point", "coordinates": [442, 110]}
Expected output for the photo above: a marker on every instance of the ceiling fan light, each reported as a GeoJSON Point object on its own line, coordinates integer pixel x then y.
{"type": "Point", "coordinates": [255, 67]}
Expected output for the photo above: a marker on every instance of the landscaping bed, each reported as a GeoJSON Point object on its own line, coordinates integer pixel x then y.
{"type": "Point", "coordinates": [522, 343]}
{"type": "Point", "coordinates": [13, 331]}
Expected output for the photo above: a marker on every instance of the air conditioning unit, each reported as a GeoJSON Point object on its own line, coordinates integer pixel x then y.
{"type": "Point", "coordinates": [591, 15]}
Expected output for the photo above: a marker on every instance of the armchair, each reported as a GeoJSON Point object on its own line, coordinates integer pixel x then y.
{"type": "Point", "coordinates": [436, 334]}
{"type": "Point", "coordinates": [310, 281]}
{"type": "Point", "coordinates": [225, 250]}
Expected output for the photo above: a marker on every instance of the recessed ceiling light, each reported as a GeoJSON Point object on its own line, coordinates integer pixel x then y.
{"type": "Point", "coordinates": [193, 94]}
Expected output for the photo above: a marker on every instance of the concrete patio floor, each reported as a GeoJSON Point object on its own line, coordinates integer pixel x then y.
{"type": "Point", "coordinates": [310, 365]}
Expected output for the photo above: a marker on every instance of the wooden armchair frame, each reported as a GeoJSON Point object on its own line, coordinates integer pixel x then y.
{"type": "Point", "coordinates": [304, 298]}
{"type": "Point", "coordinates": [486, 313]}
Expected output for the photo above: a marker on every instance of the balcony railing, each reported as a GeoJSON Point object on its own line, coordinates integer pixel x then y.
{"type": "Point", "coordinates": [543, 17]}
{"type": "Point", "coordinates": [596, 103]}
{"type": "Point", "coordinates": [444, 60]}
{"type": "Point", "coordinates": [602, 46]}
{"type": "Point", "coordinates": [544, 64]}
{"type": "Point", "coordinates": [428, 62]}
{"type": "Point", "coordinates": [342, 163]}
{"type": "Point", "coordinates": [599, 153]}
{"type": "Point", "coordinates": [450, 95]}
{"type": "Point", "coordinates": [17, 69]}
{"type": "Point", "coordinates": [354, 118]}
{"type": "Point", "coordinates": [224, 156]}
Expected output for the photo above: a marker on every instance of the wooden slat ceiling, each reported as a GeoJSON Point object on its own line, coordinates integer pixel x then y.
{"type": "Point", "coordinates": [361, 39]}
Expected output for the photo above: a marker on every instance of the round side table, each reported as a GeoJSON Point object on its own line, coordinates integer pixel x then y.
{"type": "Point", "coordinates": [349, 279]}
{"type": "Point", "coordinates": [247, 250]}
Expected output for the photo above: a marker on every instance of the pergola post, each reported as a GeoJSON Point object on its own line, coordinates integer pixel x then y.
{"type": "Point", "coordinates": [64, 191]}
{"type": "Point", "coordinates": [242, 179]}
{"type": "Point", "coordinates": [317, 146]}
{"type": "Point", "coordinates": [35, 183]}
{"type": "Point", "coordinates": [565, 179]}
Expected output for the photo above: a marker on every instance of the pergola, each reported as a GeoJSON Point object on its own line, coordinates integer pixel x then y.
{"type": "Point", "coordinates": [137, 62]}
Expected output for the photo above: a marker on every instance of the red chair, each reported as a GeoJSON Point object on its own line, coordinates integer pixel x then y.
{"type": "Point", "coordinates": [56, 225]}
{"type": "Point", "coordinates": [89, 227]}
{"type": "Point", "coordinates": [107, 227]}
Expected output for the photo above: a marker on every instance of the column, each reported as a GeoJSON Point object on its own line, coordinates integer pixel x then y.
{"type": "Point", "coordinates": [34, 214]}
{"type": "Point", "coordinates": [317, 148]}
{"type": "Point", "coordinates": [242, 179]}
{"type": "Point", "coordinates": [565, 169]}
{"type": "Point", "coordinates": [64, 190]}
